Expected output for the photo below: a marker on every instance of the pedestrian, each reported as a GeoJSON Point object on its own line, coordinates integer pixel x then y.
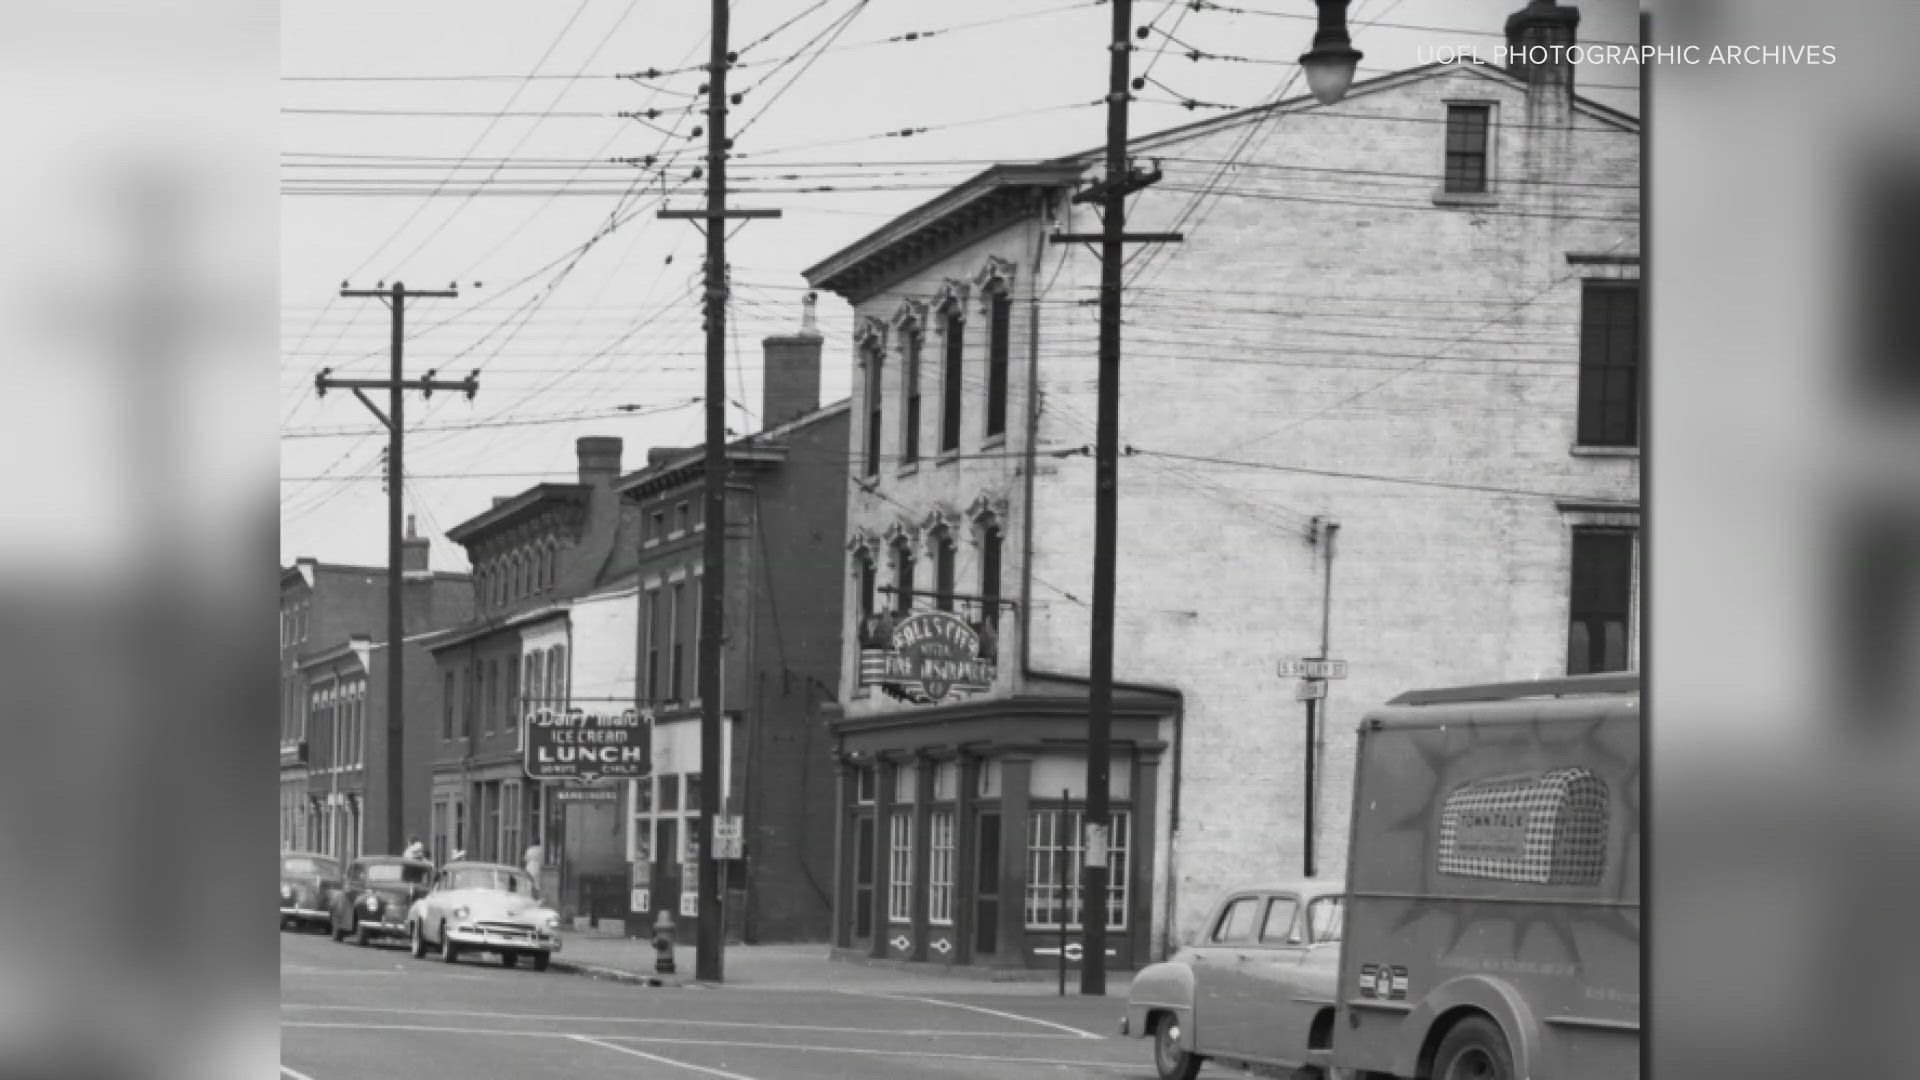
{"type": "Point", "coordinates": [458, 855]}
{"type": "Point", "coordinates": [415, 849]}
{"type": "Point", "coordinates": [536, 860]}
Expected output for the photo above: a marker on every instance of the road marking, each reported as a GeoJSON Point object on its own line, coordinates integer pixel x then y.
{"type": "Point", "coordinates": [896, 1032]}
{"type": "Point", "coordinates": [372, 973]}
{"type": "Point", "coordinates": [284, 1071]}
{"type": "Point", "coordinates": [980, 1009]}
{"type": "Point", "coordinates": [664, 1041]}
{"type": "Point", "coordinates": [662, 1060]}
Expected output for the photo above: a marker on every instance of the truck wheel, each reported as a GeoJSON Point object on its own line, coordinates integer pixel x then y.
{"type": "Point", "coordinates": [539, 961]}
{"type": "Point", "coordinates": [508, 959]}
{"type": "Point", "coordinates": [1474, 1050]}
{"type": "Point", "coordinates": [1169, 1060]}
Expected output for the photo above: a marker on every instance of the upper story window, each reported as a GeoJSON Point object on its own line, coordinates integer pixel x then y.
{"type": "Point", "coordinates": [446, 708]}
{"type": "Point", "coordinates": [1609, 364]}
{"type": "Point", "coordinates": [950, 384]}
{"type": "Point", "coordinates": [910, 390]}
{"type": "Point", "coordinates": [903, 576]}
{"type": "Point", "coordinates": [682, 519]}
{"type": "Point", "coordinates": [656, 526]}
{"type": "Point", "coordinates": [990, 543]}
{"type": "Point", "coordinates": [869, 581]}
{"type": "Point", "coordinates": [943, 560]}
{"type": "Point", "coordinates": [656, 631]}
{"type": "Point", "coordinates": [1600, 601]}
{"type": "Point", "coordinates": [999, 320]}
{"type": "Point", "coordinates": [870, 464]}
{"type": "Point", "coordinates": [1467, 148]}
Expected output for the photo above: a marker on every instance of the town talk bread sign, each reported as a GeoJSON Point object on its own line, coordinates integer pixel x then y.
{"type": "Point", "coordinates": [578, 745]}
{"type": "Point", "coordinates": [930, 655]}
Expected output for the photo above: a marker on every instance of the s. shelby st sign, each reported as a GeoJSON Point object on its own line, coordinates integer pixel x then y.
{"type": "Point", "coordinates": [578, 745]}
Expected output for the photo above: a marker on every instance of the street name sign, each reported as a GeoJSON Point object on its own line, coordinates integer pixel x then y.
{"type": "Point", "coordinates": [580, 745]}
{"type": "Point", "coordinates": [1313, 667]}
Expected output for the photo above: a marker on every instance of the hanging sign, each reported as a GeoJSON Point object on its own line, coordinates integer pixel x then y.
{"type": "Point", "coordinates": [579, 745]}
{"type": "Point", "coordinates": [929, 655]}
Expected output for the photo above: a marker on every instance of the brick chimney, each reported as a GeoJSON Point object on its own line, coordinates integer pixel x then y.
{"type": "Point", "coordinates": [599, 458]}
{"type": "Point", "coordinates": [413, 551]}
{"type": "Point", "coordinates": [1532, 34]}
{"type": "Point", "coordinates": [792, 378]}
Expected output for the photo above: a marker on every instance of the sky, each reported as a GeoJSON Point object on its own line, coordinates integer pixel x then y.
{"type": "Point", "coordinates": [473, 144]}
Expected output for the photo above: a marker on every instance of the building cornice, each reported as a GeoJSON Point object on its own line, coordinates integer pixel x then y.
{"type": "Point", "coordinates": [986, 203]}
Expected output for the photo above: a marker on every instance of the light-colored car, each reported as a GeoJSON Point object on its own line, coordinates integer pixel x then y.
{"type": "Point", "coordinates": [1255, 988]}
{"type": "Point", "coordinates": [484, 907]}
{"type": "Point", "coordinates": [307, 882]}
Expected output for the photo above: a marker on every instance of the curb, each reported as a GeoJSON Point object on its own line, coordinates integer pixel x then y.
{"type": "Point", "coordinates": [595, 971]}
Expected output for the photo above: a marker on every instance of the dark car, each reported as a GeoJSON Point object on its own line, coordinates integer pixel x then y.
{"type": "Point", "coordinates": [307, 883]}
{"type": "Point", "coordinates": [374, 900]}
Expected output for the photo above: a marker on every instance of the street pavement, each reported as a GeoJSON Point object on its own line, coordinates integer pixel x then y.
{"type": "Point", "coordinates": [377, 1013]}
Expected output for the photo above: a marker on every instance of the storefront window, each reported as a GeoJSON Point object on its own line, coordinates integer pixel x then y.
{"type": "Point", "coordinates": [900, 867]}
{"type": "Point", "coordinates": [940, 853]}
{"type": "Point", "coordinates": [1055, 859]}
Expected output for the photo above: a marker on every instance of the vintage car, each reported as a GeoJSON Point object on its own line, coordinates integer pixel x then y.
{"type": "Point", "coordinates": [1255, 988]}
{"type": "Point", "coordinates": [376, 897]}
{"type": "Point", "coordinates": [484, 907]}
{"type": "Point", "coordinates": [307, 882]}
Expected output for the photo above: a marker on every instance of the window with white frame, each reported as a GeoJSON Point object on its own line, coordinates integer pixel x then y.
{"type": "Point", "coordinates": [900, 867]}
{"type": "Point", "coordinates": [940, 858]}
{"type": "Point", "coordinates": [1055, 858]}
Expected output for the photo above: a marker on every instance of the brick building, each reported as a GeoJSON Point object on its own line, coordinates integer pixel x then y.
{"type": "Point", "coordinates": [1381, 405]}
{"type": "Point", "coordinates": [553, 584]}
{"type": "Point", "coordinates": [786, 524]}
{"type": "Point", "coordinates": [333, 698]}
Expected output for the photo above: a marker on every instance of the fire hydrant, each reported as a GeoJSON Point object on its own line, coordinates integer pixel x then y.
{"type": "Point", "coordinates": [663, 944]}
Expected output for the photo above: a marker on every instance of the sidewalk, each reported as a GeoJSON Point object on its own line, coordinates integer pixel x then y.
{"type": "Point", "coordinates": [807, 967]}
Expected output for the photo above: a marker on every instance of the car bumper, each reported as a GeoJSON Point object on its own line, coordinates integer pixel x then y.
{"type": "Point", "coordinates": [291, 912]}
{"type": "Point", "coordinates": [469, 937]}
{"type": "Point", "coordinates": [377, 928]}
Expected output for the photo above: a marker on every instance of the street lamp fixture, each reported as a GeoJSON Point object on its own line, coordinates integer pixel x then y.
{"type": "Point", "coordinates": [1331, 62]}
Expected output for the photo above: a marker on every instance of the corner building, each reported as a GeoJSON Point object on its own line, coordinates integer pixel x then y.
{"type": "Point", "coordinates": [1382, 405]}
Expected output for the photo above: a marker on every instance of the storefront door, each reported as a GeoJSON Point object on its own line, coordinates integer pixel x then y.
{"type": "Point", "coordinates": [986, 876]}
{"type": "Point", "coordinates": [863, 900]}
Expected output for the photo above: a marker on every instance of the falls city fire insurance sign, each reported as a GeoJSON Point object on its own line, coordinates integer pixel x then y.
{"type": "Point", "coordinates": [579, 745]}
{"type": "Point", "coordinates": [931, 654]}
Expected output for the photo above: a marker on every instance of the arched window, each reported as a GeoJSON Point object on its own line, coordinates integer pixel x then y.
{"type": "Point", "coordinates": [943, 566]}
{"type": "Point", "coordinates": [903, 576]}
{"type": "Point", "coordinates": [954, 325]}
{"type": "Point", "coordinates": [557, 677]}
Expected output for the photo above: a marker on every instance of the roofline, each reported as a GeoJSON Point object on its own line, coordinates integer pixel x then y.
{"type": "Point", "coordinates": [1058, 173]}
{"type": "Point", "coordinates": [493, 515]}
{"type": "Point", "coordinates": [1386, 81]}
{"type": "Point", "coordinates": [746, 448]}
{"type": "Point", "coordinates": [460, 635]}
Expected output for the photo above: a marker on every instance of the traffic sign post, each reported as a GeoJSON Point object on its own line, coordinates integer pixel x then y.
{"type": "Point", "coordinates": [1310, 690]}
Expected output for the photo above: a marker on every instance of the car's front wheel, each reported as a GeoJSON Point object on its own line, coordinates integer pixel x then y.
{"type": "Point", "coordinates": [449, 952]}
{"type": "Point", "coordinates": [1474, 1049]}
{"type": "Point", "coordinates": [416, 942]}
{"type": "Point", "coordinates": [1169, 1059]}
{"type": "Point", "coordinates": [508, 959]}
{"type": "Point", "coordinates": [539, 961]}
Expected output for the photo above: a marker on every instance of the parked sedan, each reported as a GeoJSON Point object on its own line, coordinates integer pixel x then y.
{"type": "Point", "coordinates": [484, 907]}
{"type": "Point", "coordinates": [1256, 987]}
{"type": "Point", "coordinates": [307, 881]}
{"type": "Point", "coordinates": [377, 894]}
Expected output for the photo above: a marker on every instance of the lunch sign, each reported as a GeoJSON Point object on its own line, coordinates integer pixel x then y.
{"type": "Point", "coordinates": [574, 744]}
{"type": "Point", "coordinates": [930, 655]}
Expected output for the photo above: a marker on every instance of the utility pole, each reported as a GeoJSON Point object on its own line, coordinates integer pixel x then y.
{"type": "Point", "coordinates": [395, 420]}
{"type": "Point", "coordinates": [709, 934]}
{"type": "Point", "coordinates": [1121, 180]}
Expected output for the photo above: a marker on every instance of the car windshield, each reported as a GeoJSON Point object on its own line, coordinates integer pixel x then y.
{"type": "Point", "coordinates": [300, 864]}
{"type": "Point", "coordinates": [397, 872]}
{"type": "Point", "coordinates": [480, 877]}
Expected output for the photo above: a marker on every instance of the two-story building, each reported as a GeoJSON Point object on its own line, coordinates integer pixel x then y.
{"type": "Point", "coordinates": [786, 497]}
{"type": "Point", "coordinates": [1381, 406]}
{"type": "Point", "coordinates": [553, 583]}
{"type": "Point", "coordinates": [333, 698]}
